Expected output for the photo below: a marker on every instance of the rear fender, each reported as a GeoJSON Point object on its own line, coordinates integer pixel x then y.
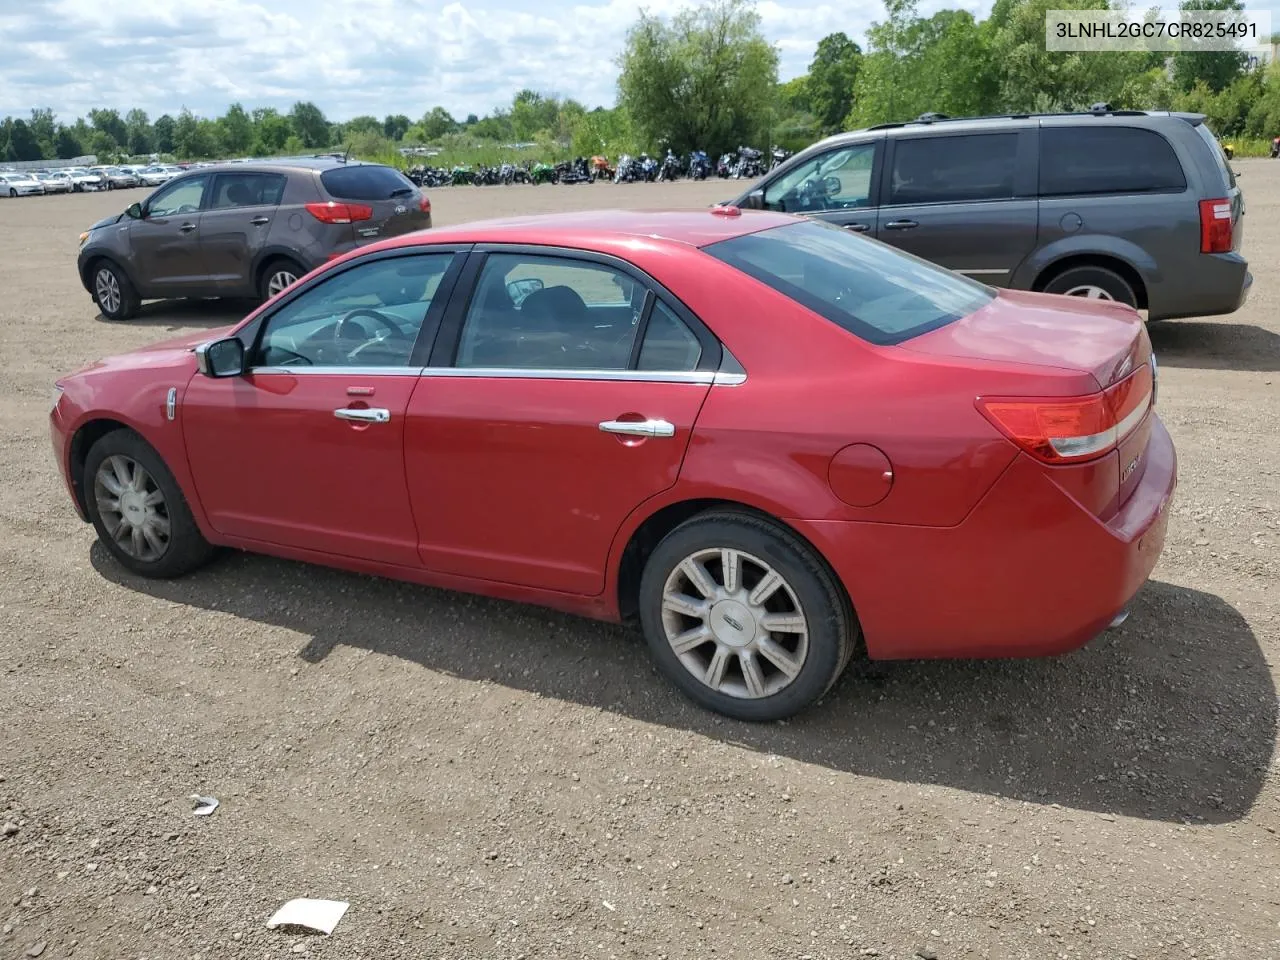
{"type": "Point", "coordinates": [1092, 245]}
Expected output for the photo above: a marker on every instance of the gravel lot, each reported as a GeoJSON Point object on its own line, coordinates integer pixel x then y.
{"type": "Point", "coordinates": [480, 779]}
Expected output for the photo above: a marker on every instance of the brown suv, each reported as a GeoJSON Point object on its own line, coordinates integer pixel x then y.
{"type": "Point", "coordinates": [243, 230]}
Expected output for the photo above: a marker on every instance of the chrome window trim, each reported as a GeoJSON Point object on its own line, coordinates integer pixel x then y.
{"type": "Point", "coordinates": [702, 377]}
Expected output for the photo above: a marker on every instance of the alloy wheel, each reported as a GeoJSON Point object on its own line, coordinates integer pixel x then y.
{"type": "Point", "coordinates": [735, 623]}
{"type": "Point", "coordinates": [279, 280]}
{"type": "Point", "coordinates": [132, 508]}
{"type": "Point", "coordinates": [107, 286]}
{"type": "Point", "coordinates": [1089, 292]}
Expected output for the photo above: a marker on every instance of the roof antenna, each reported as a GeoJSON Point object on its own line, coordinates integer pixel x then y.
{"type": "Point", "coordinates": [348, 153]}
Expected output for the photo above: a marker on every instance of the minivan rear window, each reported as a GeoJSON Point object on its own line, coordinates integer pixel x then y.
{"type": "Point", "coordinates": [1219, 155]}
{"type": "Point", "coordinates": [1078, 161]}
{"type": "Point", "coordinates": [366, 181]}
{"type": "Point", "coordinates": [874, 291]}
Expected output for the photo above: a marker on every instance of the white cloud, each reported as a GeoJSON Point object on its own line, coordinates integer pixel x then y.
{"type": "Point", "coordinates": [377, 56]}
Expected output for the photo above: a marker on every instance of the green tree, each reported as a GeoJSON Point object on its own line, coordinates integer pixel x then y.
{"type": "Point", "coordinates": [707, 79]}
{"type": "Point", "coordinates": [109, 123]}
{"type": "Point", "coordinates": [309, 125]}
{"type": "Point", "coordinates": [273, 131]}
{"type": "Point", "coordinates": [362, 125]}
{"type": "Point", "coordinates": [44, 129]}
{"type": "Point", "coordinates": [140, 139]}
{"type": "Point", "coordinates": [23, 144]}
{"type": "Point", "coordinates": [66, 145]}
{"type": "Point", "coordinates": [1215, 69]}
{"type": "Point", "coordinates": [395, 126]}
{"type": "Point", "coordinates": [830, 83]}
{"type": "Point", "coordinates": [163, 130]}
{"type": "Point", "coordinates": [437, 122]}
{"type": "Point", "coordinates": [235, 130]}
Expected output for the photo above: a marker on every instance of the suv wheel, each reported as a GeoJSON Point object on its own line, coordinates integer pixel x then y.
{"type": "Point", "coordinates": [112, 291]}
{"type": "Point", "coordinates": [277, 276]}
{"type": "Point", "coordinates": [743, 618]}
{"type": "Point", "coordinates": [1092, 283]}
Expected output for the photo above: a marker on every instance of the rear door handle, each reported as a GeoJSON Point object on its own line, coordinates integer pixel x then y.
{"type": "Point", "coordinates": [186, 228]}
{"type": "Point", "coordinates": [639, 428]}
{"type": "Point", "coordinates": [901, 224]}
{"type": "Point", "coordinates": [857, 227]}
{"type": "Point", "coordinates": [259, 221]}
{"type": "Point", "coordinates": [363, 414]}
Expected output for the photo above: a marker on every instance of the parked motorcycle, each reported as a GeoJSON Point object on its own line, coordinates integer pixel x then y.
{"type": "Point", "coordinates": [575, 172]}
{"type": "Point", "coordinates": [748, 164]}
{"type": "Point", "coordinates": [628, 169]}
{"type": "Point", "coordinates": [543, 173]}
{"type": "Point", "coordinates": [1275, 148]}
{"type": "Point", "coordinates": [670, 169]}
{"type": "Point", "coordinates": [600, 169]}
{"type": "Point", "coordinates": [648, 168]}
{"type": "Point", "coordinates": [778, 156]}
{"type": "Point", "coordinates": [724, 166]}
{"type": "Point", "coordinates": [699, 165]}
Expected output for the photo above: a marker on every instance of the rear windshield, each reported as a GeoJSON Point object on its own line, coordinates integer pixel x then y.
{"type": "Point", "coordinates": [366, 181]}
{"type": "Point", "coordinates": [872, 290]}
{"type": "Point", "coordinates": [1219, 155]}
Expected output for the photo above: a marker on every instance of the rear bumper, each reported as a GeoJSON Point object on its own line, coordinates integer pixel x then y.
{"type": "Point", "coordinates": [1215, 284]}
{"type": "Point", "coordinates": [1028, 573]}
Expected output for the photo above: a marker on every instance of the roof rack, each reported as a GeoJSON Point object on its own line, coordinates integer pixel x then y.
{"type": "Point", "coordinates": [1097, 110]}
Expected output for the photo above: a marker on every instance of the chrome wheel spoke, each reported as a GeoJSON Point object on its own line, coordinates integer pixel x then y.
{"type": "Point", "coordinates": [716, 668]}
{"type": "Point", "coordinates": [783, 623]}
{"type": "Point", "coordinates": [152, 537]}
{"type": "Point", "coordinates": [765, 589]}
{"type": "Point", "coordinates": [751, 674]}
{"type": "Point", "coordinates": [778, 656]}
{"type": "Point", "coordinates": [731, 570]}
{"type": "Point", "coordinates": [153, 498]}
{"type": "Point", "coordinates": [698, 576]}
{"type": "Point", "coordinates": [684, 604]}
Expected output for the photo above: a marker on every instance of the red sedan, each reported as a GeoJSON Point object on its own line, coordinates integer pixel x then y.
{"type": "Point", "coordinates": [768, 439]}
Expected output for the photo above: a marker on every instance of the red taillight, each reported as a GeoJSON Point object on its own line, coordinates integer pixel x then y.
{"type": "Point", "coordinates": [332, 212]}
{"type": "Point", "coordinates": [1073, 429]}
{"type": "Point", "coordinates": [424, 204]}
{"type": "Point", "coordinates": [1215, 226]}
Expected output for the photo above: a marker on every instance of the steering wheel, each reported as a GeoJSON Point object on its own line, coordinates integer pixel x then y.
{"type": "Point", "coordinates": [388, 330]}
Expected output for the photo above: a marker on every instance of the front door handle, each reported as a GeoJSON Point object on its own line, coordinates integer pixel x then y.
{"type": "Point", "coordinates": [363, 414]}
{"type": "Point", "coordinates": [901, 224]}
{"type": "Point", "coordinates": [857, 227]}
{"type": "Point", "coordinates": [259, 221]}
{"type": "Point", "coordinates": [639, 428]}
{"type": "Point", "coordinates": [186, 228]}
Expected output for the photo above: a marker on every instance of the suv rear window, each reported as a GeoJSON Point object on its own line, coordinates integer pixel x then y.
{"type": "Point", "coordinates": [1078, 161]}
{"type": "Point", "coordinates": [876, 292]}
{"type": "Point", "coordinates": [366, 181]}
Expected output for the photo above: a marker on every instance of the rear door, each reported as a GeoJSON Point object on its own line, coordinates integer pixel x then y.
{"type": "Point", "coordinates": [236, 224]}
{"type": "Point", "coordinates": [394, 204]}
{"type": "Point", "coordinates": [165, 242]}
{"type": "Point", "coordinates": [967, 202]}
{"type": "Point", "coordinates": [562, 395]}
{"type": "Point", "coordinates": [838, 185]}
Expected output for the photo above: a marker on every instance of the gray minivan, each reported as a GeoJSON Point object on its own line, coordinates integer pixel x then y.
{"type": "Point", "coordinates": [1136, 206]}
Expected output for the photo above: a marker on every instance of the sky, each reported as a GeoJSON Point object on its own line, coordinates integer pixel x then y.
{"type": "Point", "coordinates": [351, 58]}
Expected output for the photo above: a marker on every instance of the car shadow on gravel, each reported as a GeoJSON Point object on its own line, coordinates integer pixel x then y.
{"type": "Point", "coordinates": [1170, 717]}
{"type": "Point", "coordinates": [1209, 345]}
{"type": "Point", "coordinates": [180, 314]}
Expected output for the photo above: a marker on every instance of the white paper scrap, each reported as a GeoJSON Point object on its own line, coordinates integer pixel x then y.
{"type": "Point", "coordinates": [322, 915]}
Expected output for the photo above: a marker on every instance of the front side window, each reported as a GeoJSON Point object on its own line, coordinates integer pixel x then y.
{"type": "Point", "coordinates": [368, 315]}
{"type": "Point", "coordinates": [839, 179]}
{"type": "Point", "coordinates": [874, 291]}
{"type": "Point", "coordinates": [185, 196]}
{"type": "Point", "coordinates": [953, 169]}
{"type": "Point", "coordinates": [551, 313]}
{"type": "Point", "coordinates": [247, 190]}
{"type": "Point", "coordinates": [1084, 161]}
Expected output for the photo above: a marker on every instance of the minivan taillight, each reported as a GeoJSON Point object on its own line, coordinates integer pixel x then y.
{"type": "Point", "coordinates": [424, 204]}
{"type": "Point", "coordinates": [333, 212]}
{"type": "Point", "coordinates": [1215, 226]}
{"type": "Point", "coordinates": [1075, 429]}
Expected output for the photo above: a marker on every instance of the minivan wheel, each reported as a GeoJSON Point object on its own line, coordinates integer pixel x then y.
{"type": "Point", "coordinates": [1092, 283]}
{"type": "Point", "coordinates": [138, 509]}
{"type": "Point", "coordinates": [277, 276]}
{"type": "Point", "coordinates": [112, 291]}
{"type": "Point", "coordinates": [743, 617]}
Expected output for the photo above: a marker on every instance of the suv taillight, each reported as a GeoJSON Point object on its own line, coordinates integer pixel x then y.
{"type": "Point", "coordinates": [1215, 226]}
{"type": "Point", "coordinates": [424, 204]}
{"type": "Point", "coordinates": [332, 212]}
{"type": "Point", "coordinates": [1075, 429]}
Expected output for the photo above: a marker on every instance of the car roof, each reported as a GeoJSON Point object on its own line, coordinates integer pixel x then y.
{"type": "Point", "coordinates": [603, 230]}
{"type": "Point", "coordinates": [284, 164]}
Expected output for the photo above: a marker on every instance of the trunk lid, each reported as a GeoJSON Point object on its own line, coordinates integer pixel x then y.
{"type": "Point", "coordinates": [398, 206]}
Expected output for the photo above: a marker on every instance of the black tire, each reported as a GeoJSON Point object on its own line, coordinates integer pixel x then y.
{"type": "Point", "coordinates": [125, 303]}
{"type": "Point", "coordinates": [274, 268]}
{"type": "Point", "coordinates": [186, 547]}
{"type": "Point", "coordinates": [832, 627]}
{"type": "Point", "coordinates": [1072, 279]}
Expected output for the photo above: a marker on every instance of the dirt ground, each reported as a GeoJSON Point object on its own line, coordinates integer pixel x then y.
{"type": "Point", "coordinates": [480, 779]}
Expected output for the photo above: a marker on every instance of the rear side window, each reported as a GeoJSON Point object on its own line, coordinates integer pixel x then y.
{"type": "Point", "coordinates": [1078, 161]}
{"type": "Point", "coordinates": [366, 182]}
{"type": "Point", "coordinates": [1219, 156]}
{"type": "Point", "coordinates": [874, 291]}
{"type": "Point", "coordinates": [953, 169]}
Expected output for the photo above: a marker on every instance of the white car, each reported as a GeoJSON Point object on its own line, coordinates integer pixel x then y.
{"type": "Point", "coordinates": [20, 185]}
{"type": "Point", "coordinates": [57, 182]}
{"type": "Point", "coordinates": [82, 179]}
{"type": "Point", "coordinates": [153, 176]}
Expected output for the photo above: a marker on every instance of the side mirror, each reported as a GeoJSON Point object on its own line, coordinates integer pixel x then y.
{"type": "Point", "coordinates": [134, 211]}
{"type": "Point", "coordinates": [517, 290]}
{"type": "Point", "coordinates": [221, 358]}
{"type": "Point", "coordinates": [754, 200]}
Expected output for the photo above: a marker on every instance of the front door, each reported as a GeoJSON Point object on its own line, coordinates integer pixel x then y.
{"type": "Point", "coordinates": [236, 224]}
{"type": "Point", "coordinates": [570, 400]}
{"type": "Point", "coordinates": [838, 186]}
{"type": "Point", "coordinates": [967, 203]}
{"type": "Point", "coordinates": [166, 240]}
{"type": "Point", "coordinates": [307, 448]}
